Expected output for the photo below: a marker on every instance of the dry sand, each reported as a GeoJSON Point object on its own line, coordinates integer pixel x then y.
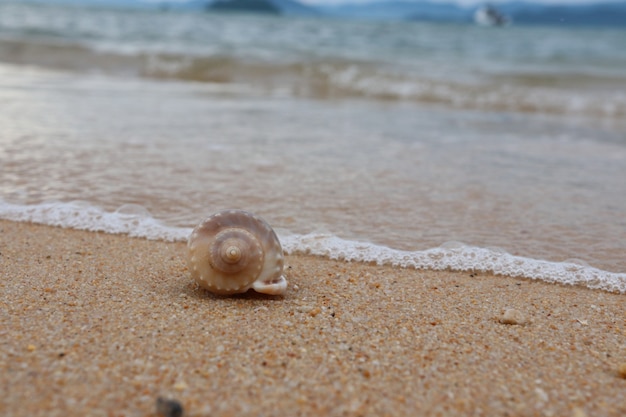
{"type": "Point", "coordinates": [94, 324]}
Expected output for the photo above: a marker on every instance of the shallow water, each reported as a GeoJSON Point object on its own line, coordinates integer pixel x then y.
{"type": "Point", "coordinates": [401, 173]}
{"type": "Point", "coordinates": [530, 69]}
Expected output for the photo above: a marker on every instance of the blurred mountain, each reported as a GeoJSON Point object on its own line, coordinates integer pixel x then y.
{"type": "Point", "coordinates": [608, 13]}
{"type": "Point", "coordinates": [292, 7]}
{"type": "Point", "coordinates": [520, 12]}
{"type": "Point", "coordinates": [254, 6]}
{"type": "Point", "coordinates": [283, 7]}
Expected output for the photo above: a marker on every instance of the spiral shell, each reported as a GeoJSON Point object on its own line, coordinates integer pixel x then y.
{"type": "Point", "coordinates": [233, 251]}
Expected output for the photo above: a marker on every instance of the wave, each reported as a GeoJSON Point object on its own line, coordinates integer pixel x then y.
{"type": "Point", "coordinates": [456, 256]}
{"type": "Point", "coordinates": [589, 95]}
{"type": "Point", "coordinates": [135, 221]}
{"type": "Point", "coordinates": [130, 219]}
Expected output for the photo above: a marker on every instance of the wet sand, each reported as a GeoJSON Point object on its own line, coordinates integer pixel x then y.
{"type": "Point", "coordinates": [101, 325]}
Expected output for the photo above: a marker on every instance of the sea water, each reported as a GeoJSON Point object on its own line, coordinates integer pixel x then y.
{"type": "Point", "coordinates": [402, 143]}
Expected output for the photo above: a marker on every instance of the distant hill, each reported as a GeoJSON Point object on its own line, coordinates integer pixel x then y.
{"type": "Point", "coordinates": [253, 6]}
{"type": "Point", "coordinates": [283, 7]}
{"type": "Point", "coordinates": [519, 12]}
{"type": "Point", "coordinates": [602, 14]}
{"type": "Point", "coordinates": [295, 8]}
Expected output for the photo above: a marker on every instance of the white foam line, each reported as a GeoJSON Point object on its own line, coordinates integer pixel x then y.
{"type": "Point", "coordinates": [135, 221]}
{"type": "Point", "coordinates": [460, 258]}
{"type": "Point", "coordinates": [83, 216]}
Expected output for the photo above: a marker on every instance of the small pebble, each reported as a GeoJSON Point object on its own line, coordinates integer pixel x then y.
{"type": "Point", "coordinates": [305, 308]}
{"type": "Point", "coordinates": [315, 312]}
{"type": "Point", "coordinates": [621, 370]}
{"type": "Point", "coordinates": [180, 386]}
{"type": "Point", "coordinates": [168, 408]}
{"type": "Point", "coordinates": [512, 316]}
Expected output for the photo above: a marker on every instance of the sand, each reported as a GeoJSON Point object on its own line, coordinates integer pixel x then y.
{"type": "Point", "coordinates": [101, 325]}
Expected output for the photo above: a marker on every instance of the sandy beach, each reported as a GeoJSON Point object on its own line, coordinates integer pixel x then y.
{"type": "Point", "coordinates": [383, 139]}
{"type": "Point", "coordinates": [97, 324]}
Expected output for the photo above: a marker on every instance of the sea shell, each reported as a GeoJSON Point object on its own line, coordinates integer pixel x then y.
{"type": "Point", "coordinates": [233, 251]}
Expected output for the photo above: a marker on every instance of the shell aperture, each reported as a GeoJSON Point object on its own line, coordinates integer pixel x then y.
{"type": "Point", "coordinates": [233, 251]}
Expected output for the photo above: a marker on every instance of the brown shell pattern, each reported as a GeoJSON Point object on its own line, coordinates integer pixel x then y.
{"type": "Point", "coordinates": [232, 250]}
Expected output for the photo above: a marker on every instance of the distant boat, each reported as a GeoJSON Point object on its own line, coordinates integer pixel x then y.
{"type": "Point", "coordinates": [489, 16]}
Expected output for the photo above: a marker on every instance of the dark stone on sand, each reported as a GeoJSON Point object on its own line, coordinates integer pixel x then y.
{"type": "Point", "coordinates": [168, 407]}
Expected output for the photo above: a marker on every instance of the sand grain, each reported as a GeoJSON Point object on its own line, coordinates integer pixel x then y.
{"type": "Point", "coordinates": [96, 324]}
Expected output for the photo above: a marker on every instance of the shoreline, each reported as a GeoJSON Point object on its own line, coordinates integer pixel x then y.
{"type": "Point", "coordinates": [103, 324]}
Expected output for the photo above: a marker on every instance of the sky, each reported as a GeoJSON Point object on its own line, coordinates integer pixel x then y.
{"type": "Point", "coordinates": [461, 2]}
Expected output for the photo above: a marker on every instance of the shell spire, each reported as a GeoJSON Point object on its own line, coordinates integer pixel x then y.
{"type": "Point", "coordinates": [233, 251]}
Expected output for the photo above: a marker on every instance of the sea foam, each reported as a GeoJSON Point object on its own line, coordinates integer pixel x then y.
{"type": "Point", "coordinates": [456, 257]}
{"type": "Point", "coordinates": [130, 219]}
{"type": "Point", "coordinates": [136, 221]}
